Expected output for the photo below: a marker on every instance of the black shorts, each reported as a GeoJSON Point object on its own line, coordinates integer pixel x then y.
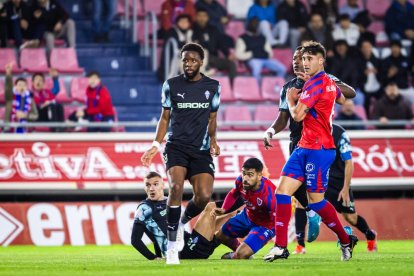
{"type": "Point", "coordinates": [197, 247]}
{"type": "Point", "coordinates": [332, 193]}
{"type": "Point", "coordinates": [196, 161]}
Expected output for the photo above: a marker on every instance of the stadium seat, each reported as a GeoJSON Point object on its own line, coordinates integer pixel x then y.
{"type": "Point", "coordinates": [360, 111]}
{"type": "Point", "coordinates": [235, 29]}
{"type": "Point", "coordinates": [239, 8]}
{"type": "Point", "coordinates": [78, 88]}
{"type": "Point", "coordinates": [378, 8]}
{"type": "Point", "coordinates": [271, 87]}
{"type": "Point", "coordinates": [151, 5]}
{"type": "Point", "coordinates": [8, 55]}
{"type": "Point", "coordinates": [2, 99]}
{"type": "Point", "coordinates": [284, 56]}
{"type": "Point", "coordinates": [265, 115]}
{"type": "Point", "coordinates": [246, 89]}
{"type": "Point", "coordinates": [343, 2]}
{"type": "Point", "coordinates": [34, 60]}
{"type": "Point", "coordinates": [226, 94]}
{"type": "Point", "coordinates": [220, 120]}
{"type": "Point", "coordinates": [65, 60]}
{"type": "Point", "coordinates": [239, 114]}
{"type": "Point", "coordinates": [62, 96]}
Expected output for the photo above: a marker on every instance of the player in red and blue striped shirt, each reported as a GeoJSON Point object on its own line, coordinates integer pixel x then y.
{"type": "Point", "coordinates": [257, 219]}
{"type": "Point", "coordinates": [311, 160]}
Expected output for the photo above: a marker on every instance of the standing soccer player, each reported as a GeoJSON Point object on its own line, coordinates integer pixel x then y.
{"type": "Point", "coordinates": [339, 192]}
{"type": "Point", "coordinates": [311, 160]}
{"type": "Point", "coordinates": [295, 133]}
{"type": "Point", "coordinates": [190, 101]}
{"type": "Point", "coordinates": [257, 220]}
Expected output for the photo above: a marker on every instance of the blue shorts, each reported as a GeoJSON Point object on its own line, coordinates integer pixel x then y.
{"type": "Point", "coordinates": [240, 225]}
{"type": "Point", "coordinates": [310, 166]}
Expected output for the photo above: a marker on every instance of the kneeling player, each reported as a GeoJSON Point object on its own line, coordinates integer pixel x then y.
{"type": "Point", "coordinates": [151, 219]}
{"type": "Point", "coordinates": [257, 219]}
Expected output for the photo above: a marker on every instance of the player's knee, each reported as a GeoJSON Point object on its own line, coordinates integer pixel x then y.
{"type": "Point", "coordinates": [350, 218]}
{"type": "Point", "coordinates": [243, 253]}
{"type": "Point", "coordinates": [202, 199]}
{"type": "Point", "coordinates": [210, 207]}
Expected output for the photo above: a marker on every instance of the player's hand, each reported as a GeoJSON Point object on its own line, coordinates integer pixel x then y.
{"type": "Point", "coordinates": [53, 72]}
{"type": "Point", "coordinates": [148, 155]}
{"type": "Point", "coordinates": [303, 76]}
{"type": "Point", "coordinates": [57, 27]}
{"type": "Point", "coordinates": [8, 68]}
{"type": "Point", "coordinates": [214, 148]}
{"type": "Point", "coordinates": [268, 135]}
{"type": "Point", "coordinates": [20, 114]}
{"type": "Point", "coordinates": [344, 195]}
{"type": "Point", "coordinates": [293, 94]}
{"type": "Point", "coordinates": [219, 211]}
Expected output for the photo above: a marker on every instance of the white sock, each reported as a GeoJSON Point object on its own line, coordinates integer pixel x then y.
{"type": "Point", "coordinates": [171, 245]}
{"type": "Point", "coordinates": [311, 213]}
{"type": "Point", "coordinates": [181, 225]}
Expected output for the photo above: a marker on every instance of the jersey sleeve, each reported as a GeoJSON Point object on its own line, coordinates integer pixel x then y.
{"type": "Point", "coordinates": [215, 102]}
{"type": "Point", "coordinates": [283, 106]}
{"type": "Point", "coordinates": [142, 213]}
{"type": "Point", "coordinates": [345, 147]}
{"type": "Point", "coordinates": [166, 96]}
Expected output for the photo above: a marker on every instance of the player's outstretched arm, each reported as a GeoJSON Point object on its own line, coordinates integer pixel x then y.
{"type": "Point", "coordinates": [346, 90]}
{"type": "Point", "coordinates": [138, 230]}
{"type": "Point", "coordinates": [162, 128]}
{"type": "Point", "coordinates": [212, 130]}
{"type": "Point", "coordinates": [278, 125]}
{"type": "Point", "coordinates": [341, 100]}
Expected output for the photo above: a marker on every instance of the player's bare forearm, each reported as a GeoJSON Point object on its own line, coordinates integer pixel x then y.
{"type": "Point", "coordinates": [347, 90]}
{"type": "Point", "coordinates": [298, 111]}
{"type": "Point", "coordinates": [162, 126]}
{"type": "Point", "coordinates": [281, 121]}
{"type": "Point", "coordinates": [349, 171]}
{"type": "Point", "coordinates": [341, 100]}
{"type": "Point", "coordinates": [212, 126]}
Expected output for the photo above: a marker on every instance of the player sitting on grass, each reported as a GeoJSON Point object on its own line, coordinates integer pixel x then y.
{"type": "Point", "coordinates": [150, 218]}
{"type": "Point", "coordinates": [257, 219]}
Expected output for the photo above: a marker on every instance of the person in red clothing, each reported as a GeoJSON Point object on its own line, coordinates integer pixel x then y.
{"type": "Point", "coordinates": [98, 103]}
{"type": "Point", "coordinates": [170, 9]}
{"type": "Point", "coordinates": [49, 109]}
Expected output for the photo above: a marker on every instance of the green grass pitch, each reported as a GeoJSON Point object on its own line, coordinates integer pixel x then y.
{"type": "Point", "coordinates": [322, 258]}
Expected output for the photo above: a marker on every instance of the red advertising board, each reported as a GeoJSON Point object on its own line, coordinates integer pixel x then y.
{"type": "Point", "coordinates": [115, 164]}
{"type": "Point", "coordinates": [106, 223]}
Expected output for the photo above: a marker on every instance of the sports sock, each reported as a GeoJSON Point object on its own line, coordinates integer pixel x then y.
{"type": "Point", "coordinates": [330, 218]}
{"type": "Point", "coordinates": [283, 213]}
{"type": "Point", "coordinates": [300, 224]}
{"type": "Point", "coordinates": [173, 217]}
{"type": "Point", "coordinates": [190, 212]}
{"type": "Point", "coordinates": [362, 226]}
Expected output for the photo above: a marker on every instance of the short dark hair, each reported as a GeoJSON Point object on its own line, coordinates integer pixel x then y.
{"type": "Point", "coordinates": [93, 73]}
{"type": "Point", "coordinates": [201, 9]}
{"type": "Point", "coordinates": [181, 16]}
{"type": "Point", "coordinates": [313, 48]}
{"type": "Point", "coordinates": [395, 43]}
{"type": "Point", "coordinates": [344, 16]}
{"type": "Point", "coordinates": [38, 75]}
{"type": "Point", "coordinates": [253, 163]}
{"type": "Point", "coordinates": [194, 47]}
{"type": "Point", "coordinates": [299, 48]}
{"type": "Point", "coordinates": [20, 79]}
{"type": "Point", "coordinates": [152, 174]}
{"type": "Point", "coordinates": [341, 42]}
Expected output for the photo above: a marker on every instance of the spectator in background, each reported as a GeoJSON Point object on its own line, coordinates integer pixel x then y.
{"type": "Point", "coordinates": [295, 13]}
{"type": "Point", "coordinates": [370, 66]}
{"type": "Point", "coordinates": [351, 8]}
{"type": "Point", "coordinates": [49, 109]}
{"type": "Point", "coordinates": [253, 48]}
{"type": "Point", "coordinates": [363, 21]}
{"type": "Point", "coordinates": [20, 106]}
{"type": "Point", "coordinates": [53, 22]}
{"type": "Point", "coordinates": [3, 24]}
{"type": "Point", "coordinates": [98, 103]}
{"type": "Point", "coordinates": [347, 113]}
{"type": "Point", "coordinates": [19, 21]}
{"type": "Point", "coordinates": [318, 31]}
{"type": "Point", "coordinates": [78, 116]}
{"type": "Point", "coordinates": [217, 14]}
{"type": "Point", "coordinates": [344, 65]}
{"type": "Point", "coordinates": [171, 9]}
{"type": "Point", "coordinates": [395, 67]}
{"type": "Point", "coordinates": [211, 39]}
{"type": "Point", "coordinates": [182, 34]}
{"type": "Point", "coordinates": [346, 30]}
{"type": "Point", "coordinates": [399, 22]}
{"type": "Point", "coordinates": [101, 26]}
{"type": "Point", "coordinates": [327, 8]}
{"type": "Point", "coordinates": [275, 32]}
{"type": "Point", "coordinates": [392, 106]}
